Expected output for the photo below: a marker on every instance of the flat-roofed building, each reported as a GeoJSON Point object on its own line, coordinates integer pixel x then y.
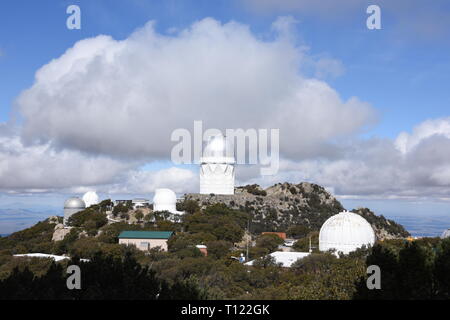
{"type": "Point", "coordinates": [140, 203]}
{"type": "Point", "coordinates": [145, 240]}
{"type": "Point", "coordinates": [284, 259]}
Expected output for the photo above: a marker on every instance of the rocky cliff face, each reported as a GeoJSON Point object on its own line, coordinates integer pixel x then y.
{"type": "Point", "coordinates": [284, 204]}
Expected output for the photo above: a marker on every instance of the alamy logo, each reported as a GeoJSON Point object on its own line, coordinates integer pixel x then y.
{"type": "Point", "coordinates": [374, 280]}
{"type": "Point", "coordinates": [74, 280]}
{"type": "Point", "coordinates": [74, 20]}
{"type": "Point", "coordinates": [374, 20]}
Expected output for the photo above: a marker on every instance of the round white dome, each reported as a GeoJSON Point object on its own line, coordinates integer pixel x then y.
{"type": "Point", "coordinates": [345, 232]}
{"type": "Point", "coordinates": [90, 198]}
{"type": "Point", "coordinates": [218, 146]}
{"type": "Point", "coordinates": [164, 197]}
{"type": "Point", "coordinates": [445, 234]}
{"type": "Point", "coordinates": [74, 203]}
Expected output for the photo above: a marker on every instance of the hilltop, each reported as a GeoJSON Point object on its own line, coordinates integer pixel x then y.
{"type": "Point", "coordinates": [284, 205]}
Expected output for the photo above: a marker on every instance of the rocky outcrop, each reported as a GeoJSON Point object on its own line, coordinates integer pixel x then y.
{"type": "Point", "coordinates": [285, 204]}
{"type": "Point", "coordinates": [384, 228]}
{"type": "Point", "coordinates": [279, 206]}
{"type": "Point", "coordinates": [60, 232]}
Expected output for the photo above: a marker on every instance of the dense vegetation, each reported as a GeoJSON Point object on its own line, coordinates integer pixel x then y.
{"type": "Point", "coordinates": [417, 270]}
{"type": "Point", "coordinates": [102, 278]}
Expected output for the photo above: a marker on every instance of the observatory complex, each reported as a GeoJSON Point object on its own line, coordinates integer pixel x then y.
{"type": "Point", "coordinates": [343, 232]}
{"type": "Point", "coordinates": [217, 167]}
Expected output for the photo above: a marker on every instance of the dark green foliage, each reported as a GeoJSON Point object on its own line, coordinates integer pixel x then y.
{"type": "Point", "coordinates": [90, 219]}
{"type": "Point", "coordinates": [442, 270]}
{"type": "Point", "coordinates": [302, 245]}
{"type": "Point", "coordinates": [418, 271]}
{"type": "Point", "coordinates": [219, 249]}
{"type": "Point", "coordinates": [270, 242]}
{"type": "Point", "coordinates": [298, 231]}
{"type": "Point", "coordinates": [101, 278]}
{"type": "Point", "coordinates": [122, 208]}
{"type": "Point", "coordinates": [189, 206]}
{"type": "Point", "coordinates": [218, 220]}
{"type": "Point", "coordinates": [255, 189]}
{"type": "Point", "coordinates": [139, 215]}
{"type": "Point", "coordinates": [314, 263]}
{"type": "Point", "coordinates": [33, 239]}
{"type": "Point", "coordinates": [265, 262]}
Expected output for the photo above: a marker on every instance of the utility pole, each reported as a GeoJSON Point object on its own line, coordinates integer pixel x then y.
{"type": "Point", "coordinates": [248, 234]}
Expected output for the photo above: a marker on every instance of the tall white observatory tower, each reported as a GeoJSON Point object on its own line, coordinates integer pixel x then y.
{"type": "Point", "coordinates": [217, 167]}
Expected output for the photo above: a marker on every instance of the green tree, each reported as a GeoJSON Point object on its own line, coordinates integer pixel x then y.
{"type": "Point", "coordinates": [139, 215]}
{"type": "Point", "coordinates": [219, 249]}
{"type": "Point", "coordinates": [441, 270]}
{"type": "Point", "coordinates": [270, 242]}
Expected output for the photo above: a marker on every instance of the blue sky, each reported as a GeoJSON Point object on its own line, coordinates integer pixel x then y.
{"type": "Point", "coordinates": [402, 70]}
{"type": "Point", "coordinates": [376, 62]}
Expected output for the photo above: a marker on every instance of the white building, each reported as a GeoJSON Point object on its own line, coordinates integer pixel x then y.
{"type": "Point", "coordinates": [47, 256]}
{"type": "Point", "coordinates": [140, 203]}
{"type": "Point", "coordinates": [72, 206]}
{"type": "Point", "coordinates": [445, 234]}
{"type": "Point", "coordinates": [90, 198]}
{"type": "Point", "coordinates": [165, 200]}
{"type": "Point", "coordinates": [285, 259]}
{"type": "Point", "coordinates": [345, 232]}
{"type": "Point", "coordinates": [217, 167]}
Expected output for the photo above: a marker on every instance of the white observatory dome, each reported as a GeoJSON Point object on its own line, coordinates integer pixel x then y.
{"type": "Point", "coordinates": [74, 203]}
{"type": "Point", "coordinates": [345, 232]}
{"type": "Point", "coordinates": [90, 198]}
{"type": "Point", "coordinates": [445, 234]}
{"type": "Point", "coordinates": [165, 200]}
{"type": "Point", "coordinates": [71, 206]}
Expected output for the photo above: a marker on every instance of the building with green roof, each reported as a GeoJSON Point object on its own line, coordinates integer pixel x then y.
{"type": "Point", "coordinates": [145, 240]}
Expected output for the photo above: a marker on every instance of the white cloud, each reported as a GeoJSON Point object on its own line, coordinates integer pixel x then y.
{"type": "Point", "coordinates": [98, 112]}
{"type": "Point", "coordinates": [139, 182]}
{"type": "Point", "coordinates": [405, 142]}
{"type": "Point", "coordinates": [328, 67]}
{"type": "Point", "coordinates": [414, 165]}
{"type": "Point", "coordinates": [44, 169]}
{"type": "Point", "coordinates": [124, 98]}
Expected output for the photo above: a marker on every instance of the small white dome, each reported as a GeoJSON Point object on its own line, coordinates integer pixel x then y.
{"type": "Point", "coordinates": [74, 203]}
{"type": "Point", "coordinates": [164, 197]}
{"type": "Point", "coordinates": [90, 198]}
{"type": "Point", "coordinates": [218, 146]}
{"type": "Point", "coordinates": [445, 234]}
{"type": "Point", "coordinates": [345, 232]}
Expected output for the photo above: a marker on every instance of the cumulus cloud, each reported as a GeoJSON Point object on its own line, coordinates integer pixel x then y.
{"type": "Point", "coordinates": [138, 182]}
{"type": "Point", "coordinates": [44, 169]}
{"type": "Point", "coordinates": [405, 142]}
{"type": "Point", "coordinates": [105, 107]}
{"type": "Point", "coordinates": [124, 98]}
{"type": "Point", "coordinates": [412, 165]}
